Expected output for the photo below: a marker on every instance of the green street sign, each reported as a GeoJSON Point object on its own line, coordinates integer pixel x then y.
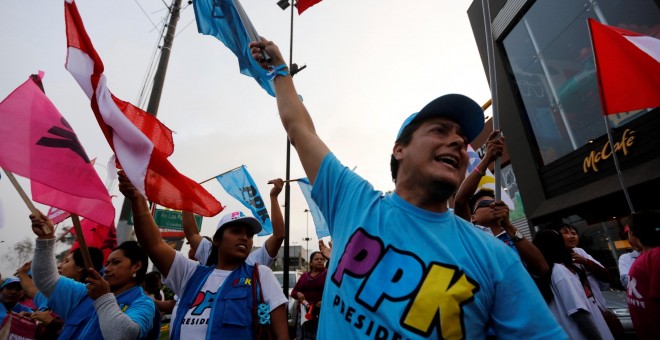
{"type": "Point", "coordinates": [170, 219]}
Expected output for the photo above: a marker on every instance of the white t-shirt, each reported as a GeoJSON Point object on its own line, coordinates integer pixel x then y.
{"type": "Point", "coordinates": [259, 256]}
{"type": "Point", "coordinates": [593, 281]}
{"type": "Point", "coordinates": [195, 322]}
{"type": "Point", "coordinates": [625, 262]}
{"type": "Point", "coordinates": [569, 298]}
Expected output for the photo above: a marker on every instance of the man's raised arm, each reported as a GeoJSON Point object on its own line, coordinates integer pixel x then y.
{"type": "Point", "coordinates": [295, 118]}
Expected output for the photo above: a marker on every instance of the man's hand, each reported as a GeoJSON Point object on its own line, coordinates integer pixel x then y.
{"type": "Point", "coordinates": [38, 224]}
{"type": "Point", "coordinates": [494, 147]}
{"type": "Point", "coordinates": [96, 285]}
{"type": "Point", "coordinates": [501, 215]}
{"type": "Point", "coordinates": [301, 297]}
{"type": "Point", "coordinates": [46, 317]}
{"type": "Point", "coordinates": [24, 269]}
{"type": "Point", "coordinates": [126, 187]}
{"type": "Point", "coordinates": [273, 51]}
{"type": "Point", "coordinates": [325, 250]}
{"type": "Point", "coordinates": [579, 259]}
{"type": "Point", "coordinates": [278, 184]}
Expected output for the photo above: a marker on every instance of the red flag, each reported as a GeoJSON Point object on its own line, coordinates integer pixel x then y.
{"type": "Point", "coordinates": [97, 236]}
{"type": "Point", "coordinates": [140, 142]}
{"type": "Point", "coordinates": [628, 68]}
{"type": "Point", "coordinates": [38, 143]}
{"type": "Point", "coordinates": [302, 5]}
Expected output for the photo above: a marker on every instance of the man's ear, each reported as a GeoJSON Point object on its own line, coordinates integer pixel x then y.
{"type": "Point", "coordinates": [397, 151]}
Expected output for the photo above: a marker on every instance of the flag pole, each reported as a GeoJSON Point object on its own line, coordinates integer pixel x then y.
{"type": "Point", "coordinates": [224, 173]}
{"type": "Point", "coordinates": [616, 165]}
{"type": "Point", "coordinates": [487, 104]}
{"type": "Point", "coordinates": [287, 186]}
{"type": "Point", "coordinates": [493, 90]}
{"type": "Point", "coordinates": [610, 138]}
{"type": "Point", "coordinates": [25, 197]}
{"type": "Point", "coordinates": [81, 242]}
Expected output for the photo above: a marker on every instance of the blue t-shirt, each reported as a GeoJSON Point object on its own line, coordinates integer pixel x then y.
{"type": "Point", "coordinates": [402, 272]}
{"type": "Point", "coordinates": [69, 294]}
{"type": "Point", "coordinates": [40, 301]}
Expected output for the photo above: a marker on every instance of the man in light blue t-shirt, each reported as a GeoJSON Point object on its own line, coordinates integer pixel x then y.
{"type": "Point", "coordinates": [403, 265]}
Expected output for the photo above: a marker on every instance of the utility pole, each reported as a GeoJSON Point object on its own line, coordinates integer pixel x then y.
{"type": "Point", "coordinates": [123, 229]}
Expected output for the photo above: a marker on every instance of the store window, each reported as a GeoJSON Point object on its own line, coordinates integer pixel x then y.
{"type": "Point", "coordinates": [550, 57]}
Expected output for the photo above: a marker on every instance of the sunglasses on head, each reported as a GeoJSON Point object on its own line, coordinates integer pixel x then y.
{"type": "Point", "coordinates": [482, 204]}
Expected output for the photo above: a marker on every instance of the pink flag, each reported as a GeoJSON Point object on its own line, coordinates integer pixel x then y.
{"type": "Point", "coordinates": [97, 236]}
{"type": "Point", "coordinates": [140, 142]}
{"type": "Point", "coordinates": [37, 142]}
{"type": "Point", "coordinates": [56, 215]}
{"type": "Point", "coordinates": [628, 68]}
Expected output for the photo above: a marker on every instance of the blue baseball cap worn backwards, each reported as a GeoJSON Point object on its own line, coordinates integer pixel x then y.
{"type": "Point", "coordinates": [457, 107]}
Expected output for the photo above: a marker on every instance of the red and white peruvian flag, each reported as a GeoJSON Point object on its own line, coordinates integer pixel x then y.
{"type": "Point", "coordinates": [628, 68]}
{"type": "Point", "coordinates": [140, 142]}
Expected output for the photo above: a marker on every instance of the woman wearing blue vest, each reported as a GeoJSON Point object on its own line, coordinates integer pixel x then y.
{"type": "Point", "coordinates": [231, 300]}
{"type": "Point", "coordinates": [112, 306]}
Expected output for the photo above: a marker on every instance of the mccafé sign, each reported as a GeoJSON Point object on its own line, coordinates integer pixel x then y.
{"type": "Point", "coordinates": [591, 162]}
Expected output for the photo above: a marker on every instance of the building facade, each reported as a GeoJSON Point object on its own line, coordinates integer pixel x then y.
{"type": "Point", "coordinates": [550, 112]}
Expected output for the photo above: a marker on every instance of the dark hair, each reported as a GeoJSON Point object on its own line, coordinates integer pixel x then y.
{"type": "Point", "coordinates": [311, 256]}
{"type": "Point", "coordinates": [212, 260]}
{"type": "Point", "coordinates": [151, 284]}
{"type": "Point", "coordinates": [135, 253]}
{"type": "Point", "coordinates": [97, 261]}
{"type": "Point", "coordinates": [561, 225]}
{"type": "Point", "coordinates": [551, 244]}
{"type": "Point", "coordinates": [645, 226]}
{"type": "Point", "coordinates": [478, 195]}
{"type": "Point", "coordinates": [404, 139]}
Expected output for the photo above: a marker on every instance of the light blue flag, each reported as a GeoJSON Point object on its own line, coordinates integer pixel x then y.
{"type": "Point", "coordinates": [227, 21]}
{"type": "Point", "coordinates": [239, 184]}
{"type": "Point", "coordinates": [319, 221]}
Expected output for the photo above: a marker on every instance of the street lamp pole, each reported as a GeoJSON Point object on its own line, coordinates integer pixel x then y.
{"type": "Point", "coordinates": [307, 238]}
{"type": "Point", "coordinates": [287, 188]}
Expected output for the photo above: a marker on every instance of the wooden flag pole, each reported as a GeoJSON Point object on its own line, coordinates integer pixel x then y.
{"type": "Point", "coordinates": [81, 241]}
{"type": "Point", "coordinates": [25, 198]}
{"type": "Point", "coordinates": [487, 104]}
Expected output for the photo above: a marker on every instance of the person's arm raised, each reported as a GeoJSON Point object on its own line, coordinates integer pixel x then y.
{"type": "Point", "coordinates": [295, 118]}
{"type": "Point", "coordinates": [274, 242]}
{"type": "Point", "coordinates": [146, 230]}
{"type": "Point", "coordinates": [29, 289]}
{"type": "Point", "coordinates": [190, 229]}
{"type": "Point", "coordinates": [494, 148]}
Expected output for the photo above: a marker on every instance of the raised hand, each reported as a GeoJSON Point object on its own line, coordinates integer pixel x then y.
{"type": "Point", "coordinates": [278, 184]}
{"type": "Point", "coordinates": [24, 269]}
{"type": "Point", "coordinates": [38, 224]}
{"type": "Point", "coordinates": [126, 187]}
{"type": "Point", "coordinates": [273, 51]}
{"type": "Point", "coordinates": [96, 285]}
{"type": "Point", "coordinates": [325, 250]}
{"type": "Point", "coordinates": [494, 146]}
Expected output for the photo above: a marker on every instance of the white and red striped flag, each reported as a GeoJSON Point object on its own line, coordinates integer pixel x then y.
{"type": "Point", "coordinates": [140, 142]}
{"type": "Point", "coordinates": [628, 68]}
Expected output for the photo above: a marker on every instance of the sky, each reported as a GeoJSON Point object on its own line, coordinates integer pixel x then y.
{"type": "Point", "coordinates": [370, 64]}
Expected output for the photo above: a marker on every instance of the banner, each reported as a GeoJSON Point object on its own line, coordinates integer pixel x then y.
{"type": "Point", "coordinates": [322, 229]}
{"type": "Point", "coordinates": [240, 185]}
